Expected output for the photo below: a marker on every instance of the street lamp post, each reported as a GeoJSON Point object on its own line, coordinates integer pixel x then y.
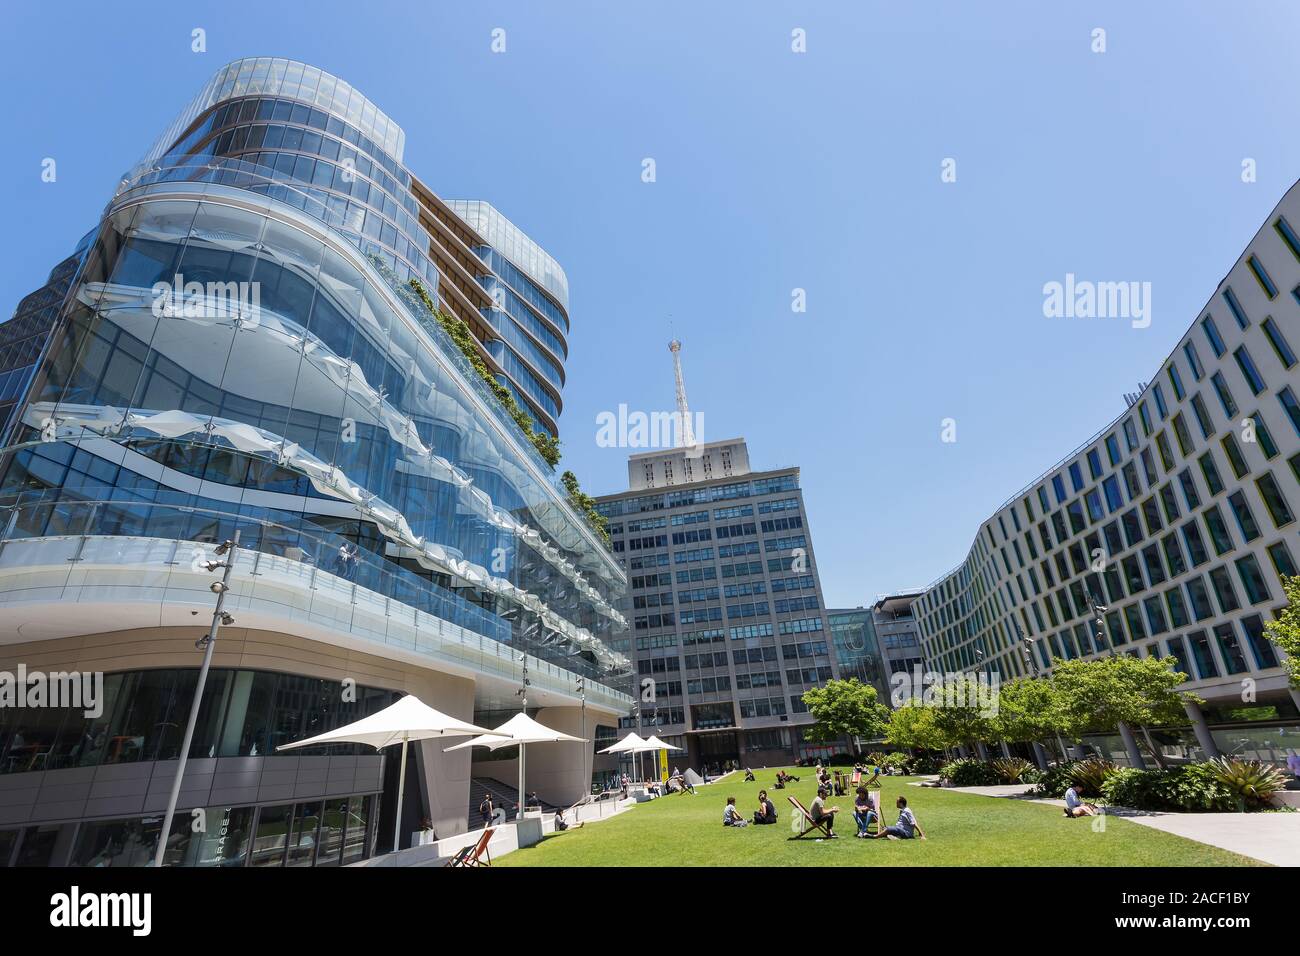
{"type": "Point", "coordinates": [229, 549]}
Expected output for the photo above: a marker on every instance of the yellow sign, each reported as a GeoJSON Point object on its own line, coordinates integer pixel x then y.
{"type": "Point", "coordinates": [663, 766]}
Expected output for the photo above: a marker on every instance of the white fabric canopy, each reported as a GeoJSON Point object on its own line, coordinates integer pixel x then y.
{"type": "Point", "coordinates": [654, 743]}
{"type": "Point", "coordinates": [408, 719]}
{"type": "Point", "coordinates": [522, 730]}
{"type": "Point", "coordinates": [519, 729]}
{"type": "Point", "coordinates": [632, 743]}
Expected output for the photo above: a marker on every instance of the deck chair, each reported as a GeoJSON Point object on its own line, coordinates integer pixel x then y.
{"type": "Point", "coordinates": [810, 825]}
{"type": "Point", "coordinates": [476, 854]}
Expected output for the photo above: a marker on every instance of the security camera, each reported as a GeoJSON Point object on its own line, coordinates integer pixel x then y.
{"type": "Point", "coordinates": [226, 619]}
{"type": "Point", "coordinates": [217, 587]}
{"type": "Point", "coordinates": [213, 565]}
{"type": "Point", "coordinates": [224, 547]}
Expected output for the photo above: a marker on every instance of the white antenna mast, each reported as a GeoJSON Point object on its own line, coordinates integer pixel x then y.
{"type": "Point", "coordinates": [686, 433]}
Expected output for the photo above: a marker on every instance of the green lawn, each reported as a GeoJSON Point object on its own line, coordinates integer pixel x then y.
{"type": "Point", "coordinates": [963, 829]}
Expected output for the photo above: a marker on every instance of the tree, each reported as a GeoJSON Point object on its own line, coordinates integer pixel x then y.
{"type": "Point", "coordinates": [911, 725]}
{"type": "Point", "coordinates": [963, 710]}
{"type": "Point", "coordinates": [1099, 694]}
{"type": "Point", "coordinates": [1285, 631]}
{"type": "Point", "coordinates": [845, 708]}
{"type": "Point", "coordinates": [1026, 710]}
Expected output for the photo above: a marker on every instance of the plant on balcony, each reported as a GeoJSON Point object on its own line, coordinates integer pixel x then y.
{"type": "Point", "coordinates": [585, 505]}
{"type": "Point", "coordinates": [548, 446]}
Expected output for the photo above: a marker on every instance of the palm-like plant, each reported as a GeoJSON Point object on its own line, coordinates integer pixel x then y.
{"type": "Point", "coordinates": [1252, 782]}
{"type": "Point", "coordinates": [1089, 775]}
{"type": "Point", "coordinates": [1012, 769]}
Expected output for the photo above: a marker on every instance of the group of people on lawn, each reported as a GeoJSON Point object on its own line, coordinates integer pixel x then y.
{"type": "Point", "coordinates": [865, 812]}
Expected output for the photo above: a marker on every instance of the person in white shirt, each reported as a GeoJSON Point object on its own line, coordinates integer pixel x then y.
{"type": "Point", "coordinates": [905, 829]}
{"type": "Point", "coordinates": [1074, 805]}
{"type": "Point", "coordinates": [731, 816]}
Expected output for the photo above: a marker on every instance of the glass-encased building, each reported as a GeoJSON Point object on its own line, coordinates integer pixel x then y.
{"type": "Point", "coordinates": [1178, 518]}
{"type": "Point", "coordinates": [244, 345]}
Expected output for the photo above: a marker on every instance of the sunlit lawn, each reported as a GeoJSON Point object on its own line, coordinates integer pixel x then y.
{"type": "Point", "coordinates": [963, 829]}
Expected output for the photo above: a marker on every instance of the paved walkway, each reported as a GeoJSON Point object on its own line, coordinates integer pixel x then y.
{"type": "Point", "coordinates": [1271, 837]}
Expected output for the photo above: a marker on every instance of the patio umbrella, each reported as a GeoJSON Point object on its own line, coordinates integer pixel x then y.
{"type": "Point", "coordinates": [522, 730]}
{"type": "Point", "coordinates": [654, 743]}
{"type": "Point", "coordinates": [408, 719]}
{"type": "Point", "coordinates": [631, 744]}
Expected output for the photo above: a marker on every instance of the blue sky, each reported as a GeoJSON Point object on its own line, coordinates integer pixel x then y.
{"type": "Point", "coordinates": [774, 171]}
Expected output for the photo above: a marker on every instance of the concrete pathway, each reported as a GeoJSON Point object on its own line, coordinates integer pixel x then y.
{"type": "Point", "coordinates": [1270, 837]}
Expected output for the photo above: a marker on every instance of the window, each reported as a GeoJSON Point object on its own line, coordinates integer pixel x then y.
{"type": "Point", "coordinates": [1247, 366]}
{"type": "Point", "coordinates": [1262, 277]}
{"type": "Point", "coordinates": [1288, 235]}
{"type": "Point", "coordinates": [1114, 497]}
{"type": "Point", "coordinates": [1194, 360]}
{"type": "Point", "coordinates": [1264, 438]}
{"type": "Point", "coordinates": [1212, 334]}
{"type": "Point", "coordinates": [1292, 407]}
{"type": "Point", "coordinates": [1112, 449]}
{"type": "Point", "coordinates": [1158, 393]}
{"type": "Point", "coordinates": [1274, 500]}
{"type": "Point", "coordinates": [1199, 598]}
{"type": "Point", "coordinates": [1225, 395]}
{"type": "Point", "coordinates": [1236, 460]}
{"type": "Point", "coordinates": [1176, 381]}
{"type": "Point", "coordinates": [1279, 342]}
{"type": "Point", "coordinates": [1245, 520]}
{"type": "Point", "coordinates": [1190, 494]}
{"type": "Point", "coordinates": [1260, 646]}
{"type": "Point", "coordinates": [1233, 658]}
{"type": "Point", "coordinates": [1203, 419]}
{"type": "Point", "coordinates": [1280, 555]}
{"type": "Point", "coordinates": [1211, 473]}
{"type": "Point", "coordinates": [1252, 579]}
{"type": "Point", "coordinates": [1202, 655]}
{"type": "Point", "coordinates": [1195, 544]}
{"type": "Point", "coordinates": [1218, 530]}
{"type": "Point", "coordinates": [1234, 306]}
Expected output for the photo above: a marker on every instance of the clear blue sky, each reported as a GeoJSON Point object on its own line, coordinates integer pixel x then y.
{"type": "Point", "coordinates": [775, 170]}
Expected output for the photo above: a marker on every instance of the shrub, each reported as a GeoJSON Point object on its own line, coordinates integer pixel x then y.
{"type": "Point", "coordinates": [1192, 788]}
{"type": "Point", "coordinates": [1053, 781]}
{"type": "Point", "coordinates": [1013, 770]}
{"type": "Point", "coordinates": [929, 763]}
{"type": "Point", "coordinates": [1250, 782]}
{"type": "Point", "coordinates": [969, 772]}
{"type": "Point", "coordinates": [1090, 775]}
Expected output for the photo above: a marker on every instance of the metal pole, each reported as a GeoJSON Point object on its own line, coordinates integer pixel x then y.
{"type": "Point", "coordinates": [401, 790]}
{"type": "Point", "coordinates": [209, 642]}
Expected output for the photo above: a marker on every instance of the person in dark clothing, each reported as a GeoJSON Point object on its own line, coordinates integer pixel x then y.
{"type": "Point", "coordinates": [486, 810]}
{"type": "Point", "coordinates": [766, 813]}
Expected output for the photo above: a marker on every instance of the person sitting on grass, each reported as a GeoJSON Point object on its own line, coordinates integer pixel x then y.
{"type": "Point", "coordinates": [1074, 805]}
{"type": "Point", "coordinates": [906, 828]}
{"type": "Point", "coordinates": [731, 816]}
{"type": "Point", "coordinates": [822, 814]}
{"type": "Point", "coordinates": [749, 775]}
{"type": "Point", "coordinates": [766, 813]}
{"type": "Point", "coordinates": [864, 811]}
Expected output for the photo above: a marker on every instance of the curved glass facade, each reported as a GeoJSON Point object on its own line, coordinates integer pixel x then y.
{"type": "Point", "coordinates": [221, 352]}
{"type": "Point", "coordinates": [306, 137]}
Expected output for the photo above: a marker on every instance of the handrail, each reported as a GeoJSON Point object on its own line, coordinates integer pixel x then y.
{"type": "Point", "coordinates": [381, 577]}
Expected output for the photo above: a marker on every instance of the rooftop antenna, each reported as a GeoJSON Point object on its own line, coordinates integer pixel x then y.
{"type": "Point", "coordinates": [686, 433]}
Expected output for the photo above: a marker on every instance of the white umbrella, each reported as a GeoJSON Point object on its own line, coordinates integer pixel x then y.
{"type": "Point", "coordinates": [654, 743]}
{"type": "Point", "coordinates": [408, 719]}
{"type": "Point", "coordinates": [522, 730]}
{"type": "Point", "coordinates": [631, 744]}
